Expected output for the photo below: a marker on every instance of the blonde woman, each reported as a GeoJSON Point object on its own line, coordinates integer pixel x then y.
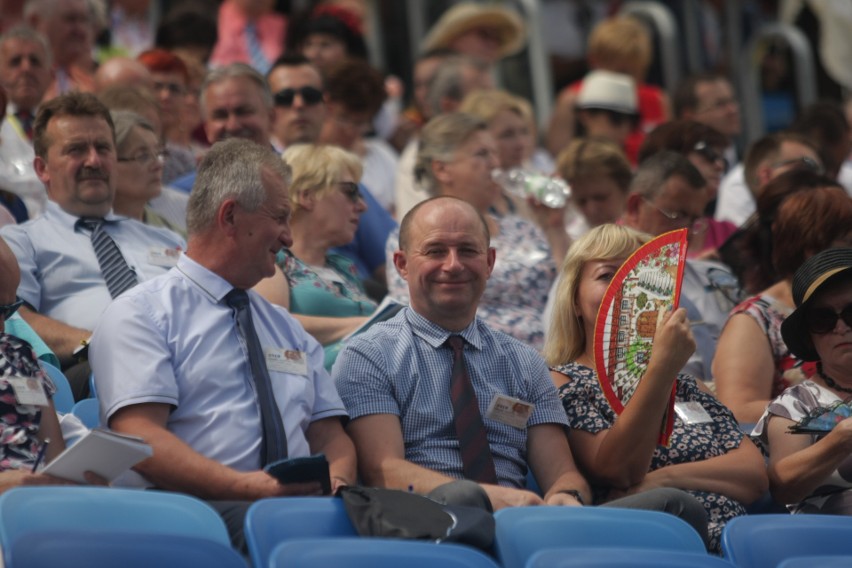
{"type": "Point", "coordinates": [319, 288]}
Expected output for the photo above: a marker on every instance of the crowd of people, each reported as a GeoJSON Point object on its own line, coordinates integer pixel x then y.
{"type": "Point", "coordinates": [204, 212]}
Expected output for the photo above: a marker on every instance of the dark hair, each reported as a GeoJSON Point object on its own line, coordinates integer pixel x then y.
{"type": "Point", "coordinates": [331, 20]}
{"type": "Point", "coordinates": [288, 59]}
{"type": "Point", "coordinates": [825, 124]}
{"type": "Point", "coordinates": [356, 85]}
{"type": "Point", "coordinates": [189, 24]}
{"type": "Point", "coordinates": [766, 148]}
{"type": "Point", "coordinates": [684, 98]}
{"type": "Point", "coordinates": [657, 169]}
{"type": "Point", "coordinates": [680, 136]}
{"type": "Point", "coordinates": [70, 104]}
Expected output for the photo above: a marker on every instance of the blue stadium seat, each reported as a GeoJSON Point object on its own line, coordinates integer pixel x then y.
{"type": "Point", "coordinates": [105, 510]}
{"type": "Point", "coordinates": [523, 531]}
{"type": "Point", "coordinates": [821, 561]}
{"type": "Point", "coordinates": [615, 557]}
{"type": "Point", "coordinates": [270, 522]}
{"type": "Point", "coordinates": [767, 540]}
{"type": "Point", "coordinates": [366, 552]}
{"type": "Point", "coordinates": [63, 400]}
{"type": "Point", "coordinates": [87, 411]}
{"type": "Point", "coordinates": [75, 549]}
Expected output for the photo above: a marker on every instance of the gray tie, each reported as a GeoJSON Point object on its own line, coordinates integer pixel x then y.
{"type": "Point", "coordinates": [274, 444]}
{"type": "Point", "coordinates": [118, 275]}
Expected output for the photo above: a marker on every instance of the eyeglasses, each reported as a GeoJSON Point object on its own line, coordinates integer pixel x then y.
{"type": "Point", "coordinates": [803, 163]}
{"type": "Point", "coordinates": [708, 153]}
{"type": "Point", "coordinates": [310, 96]}
{"type": "Point", "coordinates": [6, 311]}
{"type": "Point", "coordinates": [146, 157]}
{"type": "Point", "coordinates": [682, 219]}
{"type": "Point", "coordinates": [351, 190]}
{"type": "Point", "coordinates": [824, 320]}
{"type": "Point", "coordinates": [172, 88]}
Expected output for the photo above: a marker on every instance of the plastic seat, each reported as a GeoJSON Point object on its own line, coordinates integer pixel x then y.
{"type": "Point", "coordinates": [104, 510]}
{"type": "Point", "coordinates": [768, 540]}
{"type": "Point", "coordinates": [74, 549]}
{"type": "Point", "coordinates": [87, 410]}
{"type": "Point", "coordinates": [375, 553]}
{"type": "Point", "coordinates": [63, 400]}
{"type": "Point", "coordinates": [523, 531]}
{"type": "Point", "coordinates": [622, 558]}
{"type": "Point", "coordinates": [821, 561]}
{"type": "Point", "coordinates": [269, 522]}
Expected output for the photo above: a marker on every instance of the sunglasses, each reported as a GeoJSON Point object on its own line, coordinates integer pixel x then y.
{"type": "Point", "coordinates": [803, 163]}
{"type": "Point", "coordinates": [310, 96]}
{"type": "Point", "coordinates": [351, 190]}
{"type": "Point", "coordinates": [6, 311]}
{"type": "Point", "coordinates": [824, 320]}
{"type": "Point", "coordinates": [708, 153]}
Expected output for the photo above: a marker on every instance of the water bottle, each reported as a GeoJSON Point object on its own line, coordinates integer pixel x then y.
{"type": "Point", "coordinates": [552, 192]}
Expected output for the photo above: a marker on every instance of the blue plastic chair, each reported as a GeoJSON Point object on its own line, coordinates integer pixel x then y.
{"type": "Point", "coordinates": [821, 561]}
{"type": "Point", "coordinates": [523, 531]}
{"type": "Point", "coordinates": [269, 522]}
{"type": "Point", "coordinates": [87, 410]}
{"type": "Point", "coordinates": [375, 553]}
{"type": "Point", "coordinates": [63, 400]}
{"type": "Point", "coordinates": [104, 510]}
{"type": "Point", "coordinates": [74, 549]}
{"type": "Point", "coordinates": [767, 540]}
{"type": "Point", "coordinates": [622, 558]}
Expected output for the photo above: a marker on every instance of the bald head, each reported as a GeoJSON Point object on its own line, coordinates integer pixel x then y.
{"type": "Point", "coordinates": [122, 72]}
{"type": "Point", "coordinates": [440, 205]}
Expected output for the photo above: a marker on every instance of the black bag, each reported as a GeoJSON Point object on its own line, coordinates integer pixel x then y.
{"type": "Point", "coordinates": [392, 513]}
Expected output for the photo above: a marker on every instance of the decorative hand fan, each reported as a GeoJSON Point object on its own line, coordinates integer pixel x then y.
{"type": "Point", "coordinates": [822, 420]}
{"type": "Point", "coordinates": [649, 281]}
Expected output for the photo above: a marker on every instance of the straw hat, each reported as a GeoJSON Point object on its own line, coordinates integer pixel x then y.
{"type": "Point", "coordinates": [809, 278]}
{"type": "Point", "coordinates": [467, 16]}
{"type": "Point", "coordinates": [607, 90]}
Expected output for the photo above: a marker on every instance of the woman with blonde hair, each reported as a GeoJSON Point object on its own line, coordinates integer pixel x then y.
{"type": "Point", "coordinates": [320, 288]}
{"type": "Point", "coordinates": [708, 455]}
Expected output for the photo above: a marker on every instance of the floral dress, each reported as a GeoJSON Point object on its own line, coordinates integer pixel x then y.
{"type": "Point", "coordinates": [769, 314]}
{"type": "Point", "coordinates": [588, 410]}
{"type": "Point", "coordinates": [331, 291]}
{"type": "Point", "coordinates": [516, 293]}
{"type": "Point", "coordinates": [19, 423]}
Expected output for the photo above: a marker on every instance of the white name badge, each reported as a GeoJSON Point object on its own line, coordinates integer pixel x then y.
{"type": "Point", "coordinates": [512, 411]}
{"type": "Point", "coordinates": [28, 390]}
{"type": "Point", "coordinates": [692, 412]}
{"type": "Point", "coordinates": [286, 361]}
{"type": "Point", "coordinates": [161, 256]}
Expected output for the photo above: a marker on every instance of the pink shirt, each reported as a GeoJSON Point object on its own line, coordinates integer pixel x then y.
{"type": "Point", "coordinates": [232, 47]}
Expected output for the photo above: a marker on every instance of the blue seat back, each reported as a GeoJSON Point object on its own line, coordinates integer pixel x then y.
{"type": "Point", "coordinates": [522, 531]}
{"type": "Point", "coordinates": [767, 540]}
{"type": "Point", "coordinates": [33, 510]}
{"type": "Point", "coordinates": [821, 561]}
{"type": "Point", "coordinates": [366, 552]}
{"type": "Point", "coordinates": [87, 410]}
{"type": "Point", "coordinates": [95, 549]}
{"type": "Point", "coordinates": [63, 400]}
{"type": "Point", "coordinates": [270, 522]}
{"type": "Point", "coordinates": [614, 557]}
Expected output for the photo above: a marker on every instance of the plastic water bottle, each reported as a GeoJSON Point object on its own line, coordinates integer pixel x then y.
{"type": "Point", "coordinates": [552, 192]}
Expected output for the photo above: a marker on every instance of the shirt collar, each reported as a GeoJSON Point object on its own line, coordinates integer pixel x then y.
{"type": "Point", "coordinates": [208, 281]}
{"type": "Point", "coordinates": [436, 336]}
{"type": "Point", "coordinates": [59, 215]}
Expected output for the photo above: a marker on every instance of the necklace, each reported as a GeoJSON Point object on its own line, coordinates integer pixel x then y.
{"type": "Point", "coordinates": [830, 382]}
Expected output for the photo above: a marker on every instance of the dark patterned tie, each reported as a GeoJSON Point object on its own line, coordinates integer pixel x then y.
{"type": "Point", "coordinates": [25, 117]}
{"type": "Point", "coordinates": [274, 444]}
{"type": "Point", "coordinates": [118, 275]}
{"type": "Point", "coordinates": [477, 462]}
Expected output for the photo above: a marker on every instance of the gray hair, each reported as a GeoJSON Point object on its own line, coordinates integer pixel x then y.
{"type": "Point", "coordinates": [26, 33]}
{"type": "Point", "coordinates": [439, 140]}
{"type": "Point", "coordinates": [236, 71]}
{"type": "Point", "coordinates": [125, 121]}
{"type": "Point", "coordinates": [656, 170]}
{"type": "Point", "coordinates": [448, 81]}
{"type": "Point", "coordinates": [231, 169]}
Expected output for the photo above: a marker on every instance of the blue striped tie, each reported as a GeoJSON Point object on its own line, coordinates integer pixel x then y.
{"type": "Point", "coordinates": [118, 275]}
{"type": "Point", "coordinates": [258, 59]}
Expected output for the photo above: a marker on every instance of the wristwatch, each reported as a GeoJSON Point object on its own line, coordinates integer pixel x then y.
{"type": "Point", "coordinates": [573, 493]}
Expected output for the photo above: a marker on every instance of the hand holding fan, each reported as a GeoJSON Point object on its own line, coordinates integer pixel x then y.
{"type": "Point", "coordinates": [647, 284]}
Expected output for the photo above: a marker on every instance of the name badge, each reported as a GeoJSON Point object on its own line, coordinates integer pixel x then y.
{"type": "Point", "coordinates": [161, 256]}
{"type": "Point", "coordinates": [286, 361]}
{"type": "Point", "coordinates": [692, 412]}
{"type": "Point", "coordinates": [28, 390]}
{"type": "Point", "coordinates": [512, 411]}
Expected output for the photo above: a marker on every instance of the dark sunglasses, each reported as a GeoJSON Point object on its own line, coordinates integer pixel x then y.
{"type": "Point", "coordinates": [708, 153]}
{"type": "Point", "coordinates": [310, 96]}
{"type": "Point", "coordinates": [6, 311]}
{"type": "Point", "coordinates": [824, 320]}
{"type": "Point", "coordinates": [351, 190]}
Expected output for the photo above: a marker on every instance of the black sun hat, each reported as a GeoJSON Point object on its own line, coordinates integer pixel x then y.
{"type": "Point", "coordinates": [810, 277]}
